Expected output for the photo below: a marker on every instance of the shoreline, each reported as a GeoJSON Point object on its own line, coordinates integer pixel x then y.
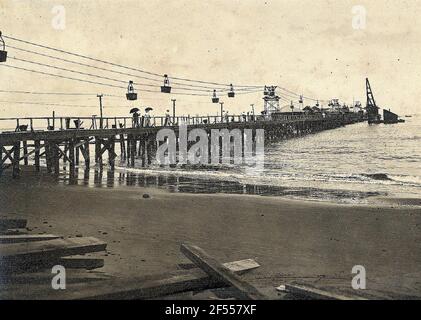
{"type": "Point", "coordinates": [96, 178]}
{"type": "Point", "coordinates": [315, 243]}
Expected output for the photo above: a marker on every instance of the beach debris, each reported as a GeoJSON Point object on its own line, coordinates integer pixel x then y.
{"type": "Point", "coordinates": [26, 259]}
{"type": "Point", "coordinates": [26, 238]}
{"type": "Point", "coordinates": [81, 262]}
{"type": "Point", "coordinates": [15, 231]}
{"type": "Point", "coordinates": [318, 294]}
{"type": "Point", "coordinates": [281, 288]}
{"type": "Point", "coordinates": [219, 272]}
{"type": "Point", "coordinates": [146, 196]}
{"type": "Point", "coordinates": [27, 252]}
{"type": "Point", "coordinates": [241, 266]}
{"type": "Point", "coordinates": [15, 223]}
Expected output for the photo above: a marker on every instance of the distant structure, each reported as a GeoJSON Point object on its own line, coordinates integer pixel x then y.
{"type": "Point", "coordinates": [271, 100]}
{"type": "Point", "coordinates": [371, 106]}
{"type": "Point", "coordinates": [389, 117]}
{"type": "Point", "coordinates": [373, 110]}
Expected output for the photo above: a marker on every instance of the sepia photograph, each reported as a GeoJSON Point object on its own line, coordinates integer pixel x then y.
{"type": "Point", "coordinates": [217, 150]}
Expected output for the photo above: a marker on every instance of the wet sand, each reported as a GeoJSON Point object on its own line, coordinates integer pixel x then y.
{"type": "Point", "coordinates": [294, 241]}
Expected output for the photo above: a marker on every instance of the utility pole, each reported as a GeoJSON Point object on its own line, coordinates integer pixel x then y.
{"type": "Point", "coordinates": [173, 110]}
{"type": "Point", "coordinates": [222, 110]}
{"type": "Point", "coordinates": [100, 109]}
{"type": "Point", "coordinates": [252, 108]}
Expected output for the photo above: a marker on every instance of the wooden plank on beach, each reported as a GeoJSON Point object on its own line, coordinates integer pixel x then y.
{"type": "Point", "coordinates": [13, 231]}
{"type": "Point", "coordinates": [317, 294]}
{"type": "Point", "coordinates": [46, 250]}
{"type": "Point", "coordinates": [81, 262]}
{"type": "Point", "coordinates": [146, 287]}
{"type": "Point", "coordinates": [26, 238]}
{"type": "Point", "coordinates": [241, 266]}
{"type": "Point", "coordinates": [219, 272]}
{"type": "Point", "coordinates": [44, 277]}
{"type": "Point", "coordinates": [238, 267]}
{"type": "Point", "coordinates": [12, 223]}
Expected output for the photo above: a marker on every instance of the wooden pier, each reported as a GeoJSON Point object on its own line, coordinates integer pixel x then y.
{"type": "Point", "coordinates": [66, 139]}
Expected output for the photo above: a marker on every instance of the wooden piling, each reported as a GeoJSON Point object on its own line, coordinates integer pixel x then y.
{"type": "Point", "coordinates": [77, 153]}
{"type": "Point", "coordinates": [16, 158]}
{"type": "Point", "coordinates": [56, 158]}
{"type": "Point", "coordinates": [25, 152]}
{"type": "Point", "coordinates": [98, 155]}
{"type": "Point", "coordinates": [37, 153]}
{"type": "Point", "coordinates": [132, 150]}
{"type": "Point", "coordinates": [111, 152]}
{"type": "Point", "coordinates": [122, 147]}
{"type": "Point", "coordinates": [71, 147]}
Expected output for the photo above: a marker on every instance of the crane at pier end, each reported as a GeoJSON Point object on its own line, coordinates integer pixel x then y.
{"type": "Point", "coordinates": [373, 110]}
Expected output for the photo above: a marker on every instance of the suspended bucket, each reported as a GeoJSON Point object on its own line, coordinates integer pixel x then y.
{"type": "Point", "coordinates": [215, 99]}
{"type": "Point", "coordinates": [3, 52]}
{"type": "Point", "coordinates": [231, 93]}
{"type": "Point", "coordinates": [131, 95]}
{"type": "Point", "coordinates": [166, 88]}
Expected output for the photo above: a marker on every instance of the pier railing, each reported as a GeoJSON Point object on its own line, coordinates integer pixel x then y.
{"type": "Point", "coordinates": [95, 122]}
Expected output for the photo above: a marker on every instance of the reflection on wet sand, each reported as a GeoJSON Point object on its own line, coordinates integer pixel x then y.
{"type": "Point", "coordinates": [98, 177]}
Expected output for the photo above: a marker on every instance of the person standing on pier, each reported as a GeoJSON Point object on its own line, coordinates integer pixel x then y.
{"type": "Point", "coordinates": [147, 117]}
{"type": "Point", "coordinates": [167, 118]}
{"type": "Point", "coordinates": [136, 116]}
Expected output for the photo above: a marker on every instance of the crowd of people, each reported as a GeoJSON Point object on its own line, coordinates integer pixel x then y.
{"type": "Point", "coordinates": [144, 120]}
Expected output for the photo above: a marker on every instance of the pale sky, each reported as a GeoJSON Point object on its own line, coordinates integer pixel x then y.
{"type": "Point", "coordinates": [307, 46]}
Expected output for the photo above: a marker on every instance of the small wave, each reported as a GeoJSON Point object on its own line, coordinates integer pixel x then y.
{"type": "Point", "coordinates": [377, 176]}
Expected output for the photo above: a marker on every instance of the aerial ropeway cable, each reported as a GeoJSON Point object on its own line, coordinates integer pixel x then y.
{"type": "Point", "coordinates": [192, 85]}
{"type": "Point", "coordinates": [122, 66]}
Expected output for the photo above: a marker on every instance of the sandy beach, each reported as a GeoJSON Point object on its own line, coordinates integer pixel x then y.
{"type": "Point", "coordinates": [294, 241]}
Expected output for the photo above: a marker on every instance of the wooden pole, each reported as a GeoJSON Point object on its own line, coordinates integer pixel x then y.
{"type": "Point", "coordinates": [71, 147]}
{"type": "Point", "coordinates": [129, 143]}
{"type": "Point", "coordinates": [111, 152]}
{"type": "Point", "coordinates": [16, 157]}
{"type": "Point", "coordinates": [100, 110]}
{"type": "Point", "coordinates": [77, 153]}
{"type": "Point", "coordinates": [86, 155]}
{"type": "Point", "coordinates": [132, 150]}
{"type": "Point", "coordinates": [47, 148]}
{"type": "Point", "coordinates": [37, 152]}
{"type": "Point", "coordinates": [56, 158]}
{"type": "Point", "coordinates": [98, 156]}
{"type": "Point", "coordinates": [25, 152]}
{"type": "Point", "coordinates": [173, 111]}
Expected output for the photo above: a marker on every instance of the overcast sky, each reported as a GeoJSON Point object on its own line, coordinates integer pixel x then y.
{"type": "Point", "coordinates": [308, 46]}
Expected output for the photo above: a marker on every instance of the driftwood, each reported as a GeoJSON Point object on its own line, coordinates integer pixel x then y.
{"type": "Point", "coordinates": [219, 272]}
{"type": "Point", "coordinates": [37, 251]}
{"type": "Point", "coordinates": [9, 223]}
{"type": "Point", "coordinates": [26, 238]}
